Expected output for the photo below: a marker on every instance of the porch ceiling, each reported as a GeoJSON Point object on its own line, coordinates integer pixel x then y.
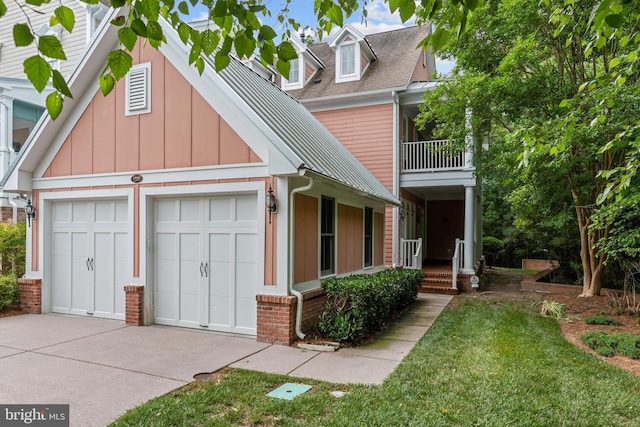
{"type": "Point", "coordinates": [438, 193]}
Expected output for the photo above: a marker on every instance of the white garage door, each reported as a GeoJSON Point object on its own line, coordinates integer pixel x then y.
{"type": "Point", "coordinates": [207, 262]}
{"type": "Point", "coordinates": [89, 258]}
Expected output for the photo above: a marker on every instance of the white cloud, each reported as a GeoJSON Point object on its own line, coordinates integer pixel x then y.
{"type": "Point", "coordinates": [444, 66]}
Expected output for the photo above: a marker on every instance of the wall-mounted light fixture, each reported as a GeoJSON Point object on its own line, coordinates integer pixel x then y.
{"type": "Point", "coordinates": [30, 211]}
{"type": "Point", "coordinates": [270, 202]}
{"type": "Point", "coordinates": [418, 217]}
{"type": "Point", "coordinates": [402, 214]}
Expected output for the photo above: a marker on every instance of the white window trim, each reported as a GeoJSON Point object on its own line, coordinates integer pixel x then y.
{"type": "Point", "coordinates": [357, 63]}
{"type": "Point", "coordinates": [300, 83]}
{"type": "Point", "coordinates": [142, 74]}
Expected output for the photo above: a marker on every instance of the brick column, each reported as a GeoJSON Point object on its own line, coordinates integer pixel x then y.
{"type": "Point", "coordinates": [134, 306]}
{"type": "Point", "coordinates": [276, 319]}
{"type": "Point", "coordinates": [30, 294]}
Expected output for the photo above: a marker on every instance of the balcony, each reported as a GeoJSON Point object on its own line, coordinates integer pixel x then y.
{"type": "Point", "coordinates": [432, 156]}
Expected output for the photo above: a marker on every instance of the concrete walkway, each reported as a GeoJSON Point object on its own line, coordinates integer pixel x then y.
{"type": "Point", "coordinates": [102, 368]}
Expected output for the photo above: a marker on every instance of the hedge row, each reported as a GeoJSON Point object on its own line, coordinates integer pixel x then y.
{"type": "Point", "coordinates": [359, 305]}
{"type": "Point", "coordinates": [9, 294]}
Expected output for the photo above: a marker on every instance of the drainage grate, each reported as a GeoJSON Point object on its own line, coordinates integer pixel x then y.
{"type": "Point", "coordinates": [289, 390]}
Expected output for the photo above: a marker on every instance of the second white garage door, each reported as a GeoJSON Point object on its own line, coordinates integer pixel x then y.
{"type": "Point", "coordinates": [206, 267]}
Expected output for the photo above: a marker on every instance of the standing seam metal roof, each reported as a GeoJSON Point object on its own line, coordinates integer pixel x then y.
{"type": "Point", "coordinates": [318, 150]}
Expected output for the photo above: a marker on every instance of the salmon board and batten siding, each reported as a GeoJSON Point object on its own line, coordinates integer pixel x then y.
{"type": "Point", "coordinates": [305, 239]}
{"type": "Point", "coordinates": [350, 238]}
{"type": "Point", "coordinates": [367, 132]}
{"type": "Point", "coordinates": [104, 140]}
{"type": "Point", "coordinates": [421, 71]}
{"type": "Point", "coordinates": [12, 57]}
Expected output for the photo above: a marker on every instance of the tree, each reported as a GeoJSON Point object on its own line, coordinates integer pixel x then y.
{"type": "Point", "coordinates": [528, 70]}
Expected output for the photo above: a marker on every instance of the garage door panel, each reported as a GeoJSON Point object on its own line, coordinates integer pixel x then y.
{"type": "Point", "coordinates": [104, 266]}
{"type": "Point", "coordinates": [80, 213]}
{"type": "Point", "coordinates": [226, 247]}
{"type": "Point", "coordinates": [61, 277]}
{"type": "Point", "coordinates": [80, 272]}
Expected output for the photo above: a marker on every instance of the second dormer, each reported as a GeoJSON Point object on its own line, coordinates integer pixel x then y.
{"type": "Point", "coordinates": [353, 53]}
{"type": "Point", "coordinates": [303, 68]}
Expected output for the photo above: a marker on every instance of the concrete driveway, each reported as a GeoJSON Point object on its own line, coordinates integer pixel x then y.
{"type": "Point", "coordinates": [102, 368]}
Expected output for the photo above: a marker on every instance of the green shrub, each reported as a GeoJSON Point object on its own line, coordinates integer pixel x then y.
{"type": "Point", "coordinates": [8, 292]}
{"type": "Point", "coordinates": [611, 344]}
{"type": "Point", "coordinates": [492, 248]}
{"type": "Point", "coordinates": [601, 320]}
{"type": "Point", "coordinates": [13, 241]}
{"type": "Point", "coordinates": [552, 309]}
{"type": "Point", "coordinates": [360, 304]}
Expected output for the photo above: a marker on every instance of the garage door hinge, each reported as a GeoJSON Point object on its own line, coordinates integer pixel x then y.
{"type": "Point", "coordinates": [89, 314]}
{"type": "Point", "coordinates": [204, 326]}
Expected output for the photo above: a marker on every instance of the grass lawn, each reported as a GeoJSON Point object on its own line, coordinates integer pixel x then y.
{"type": "Point", "coordinates": [490, 363]}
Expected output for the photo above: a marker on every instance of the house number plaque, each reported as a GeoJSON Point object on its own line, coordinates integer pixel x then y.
{"type": "Point", "coordinates": [136, 178]}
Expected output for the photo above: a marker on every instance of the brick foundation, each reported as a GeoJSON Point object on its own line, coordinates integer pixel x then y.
{"type": "Point", "coordinates": [276, 317]}
{"type": "Point", "coordinates": [6, 214]}
{"type": "Point", "coordinates": [539, 264]}
{"type": "Point", "coordinates": [134, 305]}
{"type": "Point", "coordinates": [30, 295]}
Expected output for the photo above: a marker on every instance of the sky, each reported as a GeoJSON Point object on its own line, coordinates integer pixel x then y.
{"type": "Point", "coordinates": [379, 19]}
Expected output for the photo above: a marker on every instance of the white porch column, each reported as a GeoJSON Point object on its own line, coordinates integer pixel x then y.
{"type": "Point", "coordinates": [468, 140]}
{"type": "Point", "coordinates": [6, 132]}
{"type": "Point", "coordinates": [469, 225]}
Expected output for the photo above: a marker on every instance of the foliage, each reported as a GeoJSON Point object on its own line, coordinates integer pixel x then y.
{"type": "Point", "coordinates": [601, 320]}
{"type": "Point", "coordinates": [609, 345]}
{"type": "Point", "coordinates": [625, 303]}
{"type": "Point", "coordinates": [552, 309]}
{"type": "Point", "coordinates": [525, 69]}
{"type": "Point", "coordinates": [492, 247]}
{"type": "Point", "coordinates": [13, 248]}
{"type": "Point", "coordinates": [490, 363]}
{"type": "Point", "coordinates": [359, 305]}
{"type": "Point", "coordinates": [9, 293]}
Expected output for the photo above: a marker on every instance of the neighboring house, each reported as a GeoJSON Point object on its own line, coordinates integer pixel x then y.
{"type": "Point", "coordinates": [21, 106]}
{"type": "Point", "coordinates": [366, 91]}
{"type": "Point", "coordinates": [151, 201]}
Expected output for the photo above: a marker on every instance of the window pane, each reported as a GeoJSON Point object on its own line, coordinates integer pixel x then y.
{"type": "Point", "coordinates": [327, 238]}
{"type": "Point", "coordinates": [294, 71]}
{"type": "Point", "coordinates": [368, 237]}
{"type": "Point", "coordinates": [348, 60]}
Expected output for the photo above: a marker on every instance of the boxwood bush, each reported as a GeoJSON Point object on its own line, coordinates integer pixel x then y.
{"type": "Point", "coordinates": [360, 304]}
{"type": "Point", "coordinates": [8, 292]}
{"type": "Point", "coordinates": [609, 345]}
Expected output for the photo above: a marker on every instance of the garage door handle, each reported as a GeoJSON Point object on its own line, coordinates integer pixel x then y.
{"type": "Point", "coordinates": [201, 274]}
{"type": "Point", "coordinates": [91, 264]}
{"type": "Point", "coordinates": [206, 269]}
{"type": "Point", "coordinates": [87, 263]}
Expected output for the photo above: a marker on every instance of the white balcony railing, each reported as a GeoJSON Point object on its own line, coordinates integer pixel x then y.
{"type": "Point", "coordinates": [429, 156]}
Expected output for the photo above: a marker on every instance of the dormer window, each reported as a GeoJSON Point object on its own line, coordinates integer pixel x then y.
{"type": "Point", "coordinates": [294, 71]}
{"type": "Point", "coordinates": [353, 54]}
{"type": "Point", "coordinates": [348, 60]}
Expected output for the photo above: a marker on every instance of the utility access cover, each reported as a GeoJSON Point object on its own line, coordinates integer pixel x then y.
{"type": "Point", "coordinates": [289, 390]}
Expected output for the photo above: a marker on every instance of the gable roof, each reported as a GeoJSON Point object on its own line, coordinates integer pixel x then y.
{"type": "Point", "coordinates": [289, 130]}
{"type": "Point", "coordinates": [397, 56]}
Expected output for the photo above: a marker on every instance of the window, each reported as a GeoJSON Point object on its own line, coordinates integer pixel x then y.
{"type": "Point", "coordinates": [368, 237]}
{"type": "Point", "coordinates": [294, 71]}
{"type": "Point", "coordinates": [138, 90]}
{"type": "Point", "coordinates": [348, 60]}
{"type": "Point", "coordinates": [327, 237]}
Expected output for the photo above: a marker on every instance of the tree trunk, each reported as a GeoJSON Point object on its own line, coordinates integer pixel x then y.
{"type": "Point", "coordinates": [592, 264]}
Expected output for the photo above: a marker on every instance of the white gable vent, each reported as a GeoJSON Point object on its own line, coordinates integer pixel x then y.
{"type": "Point", "coordinates": [138, 90]}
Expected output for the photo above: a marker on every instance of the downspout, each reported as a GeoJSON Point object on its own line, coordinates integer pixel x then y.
{"type": "Point", "coordinates": [293, 292]}
{"type": "Point", "coordinates": [15, 209]}
{"type": "Point", "coordinates": [396, 178]}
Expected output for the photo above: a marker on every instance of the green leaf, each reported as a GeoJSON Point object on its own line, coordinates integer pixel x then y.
{"type": "Point", "coordinates": [127, 37]}
{"type": "Point", "coordinates": [440, 38]}
{"type": "Point", "coordinates": [38, 71]}
{"type": "Point", "coordinates": [614, 62]}
{"type": "Point", "coordinates": [615, 20]}
{"type": "Point", "coordinates": [119, 62]}
{"type": "Point", "coordinates": [60, 84]}
{"type": "Point", "coordinates": [22, 35]}
{"type": "Point", "coordinates": [118, 21]}
{"type": "Point", "coordinates": [139, 27]}
{"type": "Point", "coordinates": [407, 9]}
{"type": "Point", "coordinates": [183, 7]}
{"type": "Point", "coordinates": [621, 80]}
{"type": "Point", "coordinates": [242, 47]}
{"type": "Point", "coordinates": [3, 8]}
{"type": "Point", "coordinates": [183, 32]}
{"type": "Point", "coordinates": [66, 17]}
{"type": "Point", "coordinates": [221, 61]}
{"type": "Point", "coordinates": [37, 2]}
{"type": "Point", "coordinates": [117, 3]}
{"type": "Point", "coordinates": [287, 52]}
{"type": "Point", "coordinates": [195, 52]}
{"type": "Point", "coordinates": [50, 46]}
{"type": "Point", "coordinates": [107, 83]}
{"type": "Point", "coordinates": [268, 52]}
{"type": "Point", "coordinates": [200, 65]}
{"type": "Point", "coordinates": [210, 41]}
{"type": "Point", "coordinates": [226, 45]}
{"type": "Point", "coordinates": [335, 15]}
{"type": "Point", "coordinates": [564, 103]}
{"type": "Point", "coordinates": [54, 104]}
{"type": "Point", "coordinates": [267, 32]}
{"type": "Point", "coordinates": [283, 67]}
{"type": "Point", "coordinates": [154, 31]}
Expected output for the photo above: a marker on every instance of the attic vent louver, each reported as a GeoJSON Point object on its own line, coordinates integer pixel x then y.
{"type": "Point", "coordinates": [138, 90]}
